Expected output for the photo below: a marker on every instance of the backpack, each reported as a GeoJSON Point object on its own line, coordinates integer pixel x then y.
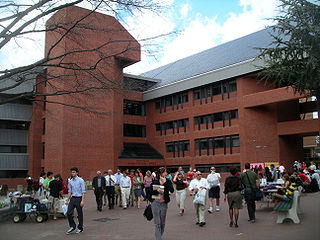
{"type": "Point", "coordinates": [36, 184]}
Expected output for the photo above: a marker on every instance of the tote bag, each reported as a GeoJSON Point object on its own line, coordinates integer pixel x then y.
{"type": "Point", "coordinates": [200, 197]}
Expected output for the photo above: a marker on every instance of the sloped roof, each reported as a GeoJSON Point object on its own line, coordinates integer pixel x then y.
{"type": "Point", "coordinates": [218, 57]}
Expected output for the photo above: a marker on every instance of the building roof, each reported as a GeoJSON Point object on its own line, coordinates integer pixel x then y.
{"type": "Point", "coordinates": [139, 151]}
{"type": "Point", "coordinates": [241, 50]}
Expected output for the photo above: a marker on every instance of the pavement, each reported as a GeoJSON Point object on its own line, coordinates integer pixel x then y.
{"type": "Point", "coordinates": [122, 224]}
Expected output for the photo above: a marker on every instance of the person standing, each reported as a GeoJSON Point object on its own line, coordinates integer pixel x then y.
{"type": "Point", "coordinates": [110, 183]}
{"type": "Point", "coordinates": [105, 174]}
{"type": "Point", "coordinates": [232, 192]}
{"type": "Point", "coordinates": [98, 187]}
{"type": "Point", "coordinates": [214, 193]}
{"type": "Point", "coordinates": [76, 192]}
{"type": "Point", "coordinates": [117, 190]}
{"type": "Point", "coordinates": [131, 197]}
{"type": "Point", "coordinates": [190, 175]}
{"type": "Point", "coordinates": [251, 183]}
{"type": "Point", "coordinates": [160, 198]}
{"type": "Point", "coordinates": [181, 192]}
{"type": "Point", "coordinates": [282, 169]}
{"type": "Point", "coordinates": [55, 187]}
{"type": "Point", "coordinates": [46, 182]}
{"type": "Point", "coordinates": [125, 186]}
{"type": "Point", "coordinates": [195, 185]}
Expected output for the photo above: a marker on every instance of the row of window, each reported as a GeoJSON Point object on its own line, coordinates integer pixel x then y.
{"type": "Point", "coordinates": [18, 125]}
{"type": "Point", "coordinates": [214, 89]}
{"type": "Point", "coordinates": [133, 108]}
{"type": "Point", "coordinates": [178, 148]}
{"type": "Point", "coordinates": [176, 124]}
{"type": "Point", "coordinates": [210, 144]}
{"type": "Point", "coordinates": [174, 100]}
{"type": "Point", "coordinates": [13, 149]}
{"type": "Point", "coordinates": [216, 117]}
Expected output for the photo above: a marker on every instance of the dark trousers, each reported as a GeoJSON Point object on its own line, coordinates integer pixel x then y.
{"type": "Point", "coordinates": [75, 203]}
{"type": "Point", "coordinates": [99, 193]}
{"type": "Point", "coordinates": [249, 196]}
{"type": "Point", "coordinates": [110, 194]}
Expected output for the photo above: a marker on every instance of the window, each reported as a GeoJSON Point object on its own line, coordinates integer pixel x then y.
{"type": "Point", "coordinates": [216, 89]}
{"type": "Point", "coordinates": [14, 125]}
{"type": "Point", "coordinates": [234, 114]}
{"type": "Point", "coordinates": [233, 85]}
{"type": "Point", "coordinates": [43, 150]}
{"type": "Point", "coordinates": [158, 127]}
{"type": "Point", "coordinates": [13, 149]}
{"type": "Point", "coordinates": [196, 94]}
{"type": "Point", "coordinates": [169, 101]}
{"type": "Point", "coordinates": [13, 173]}
{"type": "Point", "coordinates": [158, 104]}
{"type": "Point", "coordinates": [217, 117]}
{"type": "Point", "coordinates": [133, 107]}
{"type": "Point", "coordinates": [235, 141]}
{"type": "Point", "coordinates": [130, 130]}
{"type": "Point", "coordinates": [169, 147]}
{"type": "Point", "coordinates": [178, 148]}
{"type": "Point", "coordinates": [43, 126]}
{"type": "Point", "coordinates": [219, 142]}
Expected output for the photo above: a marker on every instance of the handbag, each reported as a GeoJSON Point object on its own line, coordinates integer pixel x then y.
{"type": "Point", "coordinates": [148, 212]}
{"type": "Point", "coordinates": [200, 197]}
{"type": "Point", "coordinates": [258, 195]}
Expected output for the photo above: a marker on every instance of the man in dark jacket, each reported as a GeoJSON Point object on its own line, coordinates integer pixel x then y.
{"type": "Point", "coordinates": [98, 186]}
{"type": "Point", "coordinates": [55, 187]}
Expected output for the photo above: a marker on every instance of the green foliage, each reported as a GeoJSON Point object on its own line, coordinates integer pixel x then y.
{"type": "Point", "coordinates": [294, 57]}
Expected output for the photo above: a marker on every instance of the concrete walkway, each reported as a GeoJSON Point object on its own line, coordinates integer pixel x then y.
{"type": "Point", "coordinates": [130, 224]}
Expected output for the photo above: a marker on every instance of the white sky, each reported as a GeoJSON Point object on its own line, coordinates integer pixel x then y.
{"type": "Point", "coordinates": [195, 31]}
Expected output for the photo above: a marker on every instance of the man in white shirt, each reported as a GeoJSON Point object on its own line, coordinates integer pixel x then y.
{"type": "Point", "coordinates": [110, 183]}
{"type": "Point", "coordinates": [282, 169]}
{"type": "Point", "coordinates": [195, 185]}
{"type": "Point", "coordinates": [214, 184]}
{"type": "Point", "coordinates": [125, 186]}
{"type": "Point", "coordinates": [117, 190]}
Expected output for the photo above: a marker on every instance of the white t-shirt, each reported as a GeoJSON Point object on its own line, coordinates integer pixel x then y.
{"type": "Point", "coordinates": [281, 168]}
{"type": "Point", "coordinates": [195, 183]}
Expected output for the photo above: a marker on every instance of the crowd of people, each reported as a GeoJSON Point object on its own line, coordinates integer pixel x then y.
{"type": "Point", "coordinates": [131, 187]}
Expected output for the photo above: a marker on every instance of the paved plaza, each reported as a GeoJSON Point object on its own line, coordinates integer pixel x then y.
{"type": "Point", "coordinates": [130, 224]}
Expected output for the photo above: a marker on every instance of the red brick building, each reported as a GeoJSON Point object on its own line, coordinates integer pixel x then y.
{"type": "Point", "coordinates": [206, 109]}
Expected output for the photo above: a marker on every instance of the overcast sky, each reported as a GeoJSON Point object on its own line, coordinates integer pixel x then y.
{"type": "Point", "coordinates": [198, 25]}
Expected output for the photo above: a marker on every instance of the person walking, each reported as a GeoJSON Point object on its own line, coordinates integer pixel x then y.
{"type": "Point", "coordinates": [105, 174]}
{"type": "Point", "coordinates": [160, 188]}
{"type": "Point", "coordinates": [147, 185]}
{"type": "Point", "coordinates": [98, 187]}
{"type": "Point", "coordinates": [137, 188]}
{"type": "Point", "coordinates": [214, 193]}
{"type": "Point", "coordinates": [117, 189]}
{"type": "Point", "coordinates": [110, 188]}
{"type": "Point", "coordinates": [232, 188]}
{"type": "Point", "coordinates": [55, 187]}
{"type": "Point", "coordinates": [181, 192]}
{"type": "Point", "coordinates": [251, 183]}
{"type": "Point", "coordinates": [195, 185]}
{"type": "Point", "coordinates": [76, 189]}
{"type": "Point", "coordinates": [125, 186]}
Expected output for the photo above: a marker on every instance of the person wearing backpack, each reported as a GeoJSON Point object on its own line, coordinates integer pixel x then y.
{"type": "Point", "coordinates": [213, 180]}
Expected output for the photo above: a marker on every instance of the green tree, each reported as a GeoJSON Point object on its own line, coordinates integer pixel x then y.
{"type": "Point", "coordinates": [294, 57]}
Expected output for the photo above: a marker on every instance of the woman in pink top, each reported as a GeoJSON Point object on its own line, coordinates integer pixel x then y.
{"type": "Point", "coordinates": [147, 184]}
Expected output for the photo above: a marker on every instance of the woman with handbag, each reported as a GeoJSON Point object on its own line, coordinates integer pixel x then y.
{"type": "Point", "coordinates": [232, 188]}
{"type": "Point", "coordinates": [181, 192]}
{"type": "Point", "coordinates": [199, 187]}
{"type": "Point", "coordinates": [160, 188]}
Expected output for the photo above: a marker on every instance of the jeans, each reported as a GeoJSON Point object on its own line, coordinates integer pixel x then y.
{"type": "Point", "coordinates": [249, 196]}
{"type": "Point", "coordinates": [159, 211]}
{"type": "Point", "coordinates": [75, 203]}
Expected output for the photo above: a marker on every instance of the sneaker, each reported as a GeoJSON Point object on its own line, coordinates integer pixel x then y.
{"type": "Point", "coordinates": [70, 230]}
{"type": "Point", "coordinates": [202, 224]}
{"type": "Point", "coordinates": [210, 210]}
{"type": "Point", "coordinates": [79, 231]}
{"type": "Point", "coordinates": [252, 221]}
{"type": "Point", "coordinates": [217, 208]}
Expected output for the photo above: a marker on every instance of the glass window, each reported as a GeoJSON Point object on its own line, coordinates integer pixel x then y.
{"type": "Point", "coordinates": [233, 85]}
{"type": "Point", "coordinates": [196, 94]}
{"type": "Point", "coordinates": [158, 127]}
{"type": "Point", "coordinates": [133, 107]}
{"type": "Point", "coordinates": [169, 101]}
{"type": "Point", "coordinates": [169, 147]}
{"type": "Point", "coordinates": [13, 149]}
{"type": "Point", "coordinates": [216, 89]}
{"type": "Point", "coordinates": [234, 114]}
{"type": "Point", "coordinates": [130, 130]}
{"type": "Point", "coordinates": [158, 104]}
{"type": "Point", "coordinates": [186, 146]}
{"type": "Point", "coordinates": [219, 142]}
{"type": "Point", "coordinates": [217, 117]}
{"type": "Point", "coordinates": [4, 124]}
{"type": "Point", "coordinates": [185, 97]}
{"type": "Point", "coordinates": [235, 141]}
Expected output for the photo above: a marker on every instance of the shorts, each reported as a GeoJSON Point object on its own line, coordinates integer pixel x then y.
{"type": "Point", "coordinates": [285, 198]}
{"type": "Point", "coordinates": [54, 202]}
{"type": "Point", "coordinates": [214, 192]}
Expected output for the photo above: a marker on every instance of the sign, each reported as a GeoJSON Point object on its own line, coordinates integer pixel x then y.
{"type": "Point", "coordinates": [267, 164]}
{"type": "Point", "coordinates": [253, 165]}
